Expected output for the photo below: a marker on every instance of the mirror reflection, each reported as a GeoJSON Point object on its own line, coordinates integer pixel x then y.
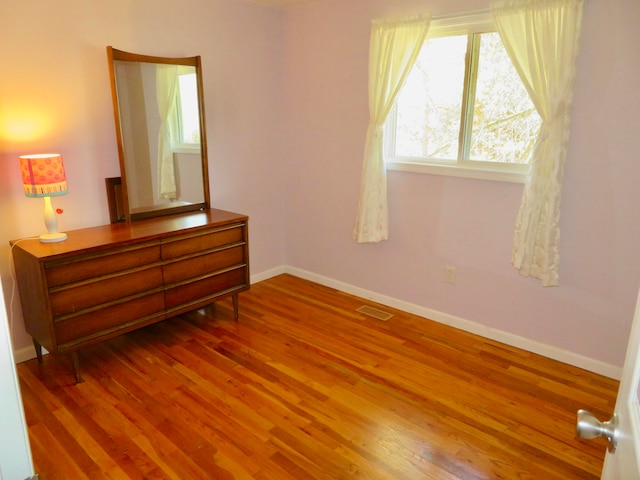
{"type": "Point", "coordinates": [161, 134]}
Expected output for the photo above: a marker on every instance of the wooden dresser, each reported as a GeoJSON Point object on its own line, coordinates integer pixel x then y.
{"type": "Point", "coordinates": [109, 280]}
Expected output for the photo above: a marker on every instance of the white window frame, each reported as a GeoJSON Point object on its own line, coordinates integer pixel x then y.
{"type": "Point", "coordinates": [180, 146]}
{"type": "Point", "coordinates": [479, 22]}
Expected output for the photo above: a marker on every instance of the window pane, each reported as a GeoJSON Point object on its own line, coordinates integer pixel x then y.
{"type": "Point", "coordinates": [505, 122]}
{"type": "Point", "coordinates": [430, 103]}
{"type": "Point", "coordinates": [189, 115]}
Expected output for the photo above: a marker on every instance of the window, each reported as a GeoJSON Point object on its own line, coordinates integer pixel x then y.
{"type": "Point", "coordinates": [463, 109]}
{"type": "Point", "coordinates": [187, 113]}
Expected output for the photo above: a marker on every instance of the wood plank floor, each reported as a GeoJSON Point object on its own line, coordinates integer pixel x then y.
{"type": "Point", "coordinates": [305, 387]}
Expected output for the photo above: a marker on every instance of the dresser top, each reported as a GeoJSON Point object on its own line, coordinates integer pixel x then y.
{"type": "Point", "coordinates": [95, 238]}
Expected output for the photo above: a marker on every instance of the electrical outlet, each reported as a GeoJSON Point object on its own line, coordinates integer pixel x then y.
{"type": "Point", "coordinates": [450, 274]}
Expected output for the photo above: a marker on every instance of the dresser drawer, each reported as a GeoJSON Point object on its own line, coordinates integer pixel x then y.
{"type": "Point", "coordinates": [206, 288]}
{"type": "Point", "coordinates": [202, 241]}
{"type": "Point", "coordinates": [93, 265]}
{"type": "Point", "coordinates": [73, 297]}
{"type": "Point", "coordinates": [121, 316]}
{"type": "Point", "coordinates": [112, 279]}
{"type": "Point", "coordinates": [203, 264]}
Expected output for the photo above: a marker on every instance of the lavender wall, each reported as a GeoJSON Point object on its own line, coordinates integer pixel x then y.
{"type": "Point", "coordinates": [438, 221]}
{"type": "Point", "coordinates": [55, 95]}
{"type": "Point", "coordinates": [286, 101]}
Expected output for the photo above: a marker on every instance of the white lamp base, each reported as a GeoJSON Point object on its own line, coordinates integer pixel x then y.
{"type": "Point", "coordinates": [51, 223]}
{"type": "Point", "coordinates": [52, 237]}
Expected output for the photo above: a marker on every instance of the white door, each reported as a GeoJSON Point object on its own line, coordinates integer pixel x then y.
{"type": "Point", "coordinates": [622, 463]}
{"type": "Point", "coordinates": [15, 453]}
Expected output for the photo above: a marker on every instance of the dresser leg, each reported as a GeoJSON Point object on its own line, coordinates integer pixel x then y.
{"type": "Point", "coordinates": [234, 298]}
{"type": "Point", "coordinates": [38, 348]}
{"type": "Point", "coordinates": [75, 359]}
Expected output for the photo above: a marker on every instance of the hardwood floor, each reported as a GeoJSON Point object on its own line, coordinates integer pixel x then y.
{"type": "Point", "coordinates": [305, 387]}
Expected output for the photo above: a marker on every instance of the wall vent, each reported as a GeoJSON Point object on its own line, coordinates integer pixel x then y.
{"type": "Point", "coordinates": [374, 312]}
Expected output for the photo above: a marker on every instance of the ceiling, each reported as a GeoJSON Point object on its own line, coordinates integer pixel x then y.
{"type": "Point", "coordinates": [281, 3]}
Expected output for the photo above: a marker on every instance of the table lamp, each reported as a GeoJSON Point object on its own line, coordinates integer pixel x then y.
{"type": "Point", "coordinates": [43, 176]}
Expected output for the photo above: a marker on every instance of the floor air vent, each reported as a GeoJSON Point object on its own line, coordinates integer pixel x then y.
{"type": "Point", "coordinates": [374, 312]}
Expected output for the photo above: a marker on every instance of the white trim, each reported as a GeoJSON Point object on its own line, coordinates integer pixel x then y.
{"type": "Point", "coordinates": [15, 455]}
{"type": "Point", "coordinates": [457, 170]}
{"type": "Point", "coordinates": [268, 274]}
{"type": "Point", "coordinates": [444, 26]}
{"type": "Point", "coordinates": [507, 338]}
{"type": "Point", "coordinates": [189, 148]}
{"type": "Point", "coordinates": [26, 353]}
{"type": "Point", "coordinates": [549, 351]}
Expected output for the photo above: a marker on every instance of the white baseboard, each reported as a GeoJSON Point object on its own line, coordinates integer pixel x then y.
{"type": "Point", "coordinates": [529, 345]}
{"type": "Point", "coordinates": [268, 274]}
{"type": "Point", "coordinates": [596, 366]}
{"type": "Point", "coordinates": [26, 353]}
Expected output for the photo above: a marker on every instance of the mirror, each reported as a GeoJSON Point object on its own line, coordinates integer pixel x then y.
{"type": "Point", "coordinates": [158, 106]}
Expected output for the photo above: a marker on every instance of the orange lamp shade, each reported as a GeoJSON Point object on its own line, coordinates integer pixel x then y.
{"type": "Point", "coordinates": [43, 175]}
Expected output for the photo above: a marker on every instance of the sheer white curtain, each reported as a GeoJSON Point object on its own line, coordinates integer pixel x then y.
{"type": "Point", "coordinates": [166, 94]}
{"type": "Point", "coordinates": [541, 37]}
{"type": "Point", "coordinates": [393, 50]}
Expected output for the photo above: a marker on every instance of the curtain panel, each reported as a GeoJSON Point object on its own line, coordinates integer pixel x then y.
{"type": "Point", "coordinates": [393, 50]}
{"type": "Point", "coordinates": [541, 38]}
{"type": "Point", "coordinates": [166, 95]}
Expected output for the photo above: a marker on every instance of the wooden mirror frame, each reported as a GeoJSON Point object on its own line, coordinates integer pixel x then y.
{"type": "Point", "coordinates": [166, 208]}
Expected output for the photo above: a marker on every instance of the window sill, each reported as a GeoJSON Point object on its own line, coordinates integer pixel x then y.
{"type": "Point", "coordinates": [187, 149]}
{"type": "Point", "coordinates": [513, 176]}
